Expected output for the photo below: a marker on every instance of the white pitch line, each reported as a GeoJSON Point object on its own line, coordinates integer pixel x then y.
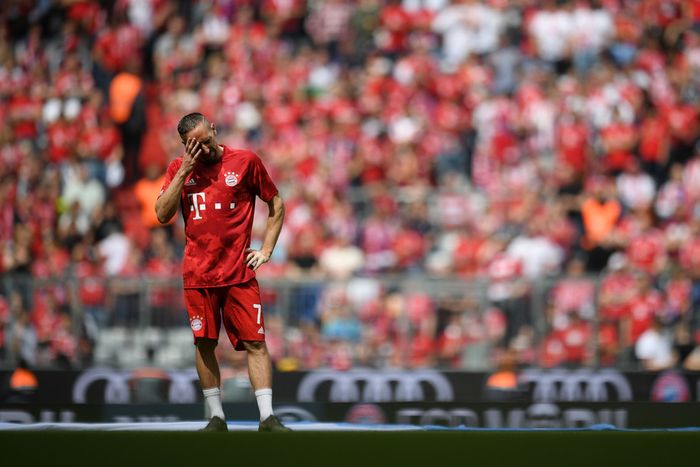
{"type": "Point", "coordinates": [195, 426]}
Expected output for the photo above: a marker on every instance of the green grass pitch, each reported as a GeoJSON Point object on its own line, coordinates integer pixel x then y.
{"type": "Point", "coordinates": [356, 449]}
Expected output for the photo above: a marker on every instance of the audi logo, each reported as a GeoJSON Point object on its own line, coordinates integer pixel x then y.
{"type": "Point", "coordinates": [368, 385]}
{"type": "Point", "coordinates": [577, 385]}
{"type": "Point", "coordinates": [182, 388]}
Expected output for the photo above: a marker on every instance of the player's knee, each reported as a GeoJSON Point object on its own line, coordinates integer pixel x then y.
{"type": "Point", "coordinates": [255, 347]}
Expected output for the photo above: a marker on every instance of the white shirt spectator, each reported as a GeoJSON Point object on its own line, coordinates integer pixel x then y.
{"type": "Point", "coordinates": [115, 250]}
{"type": "Point", "coordinates": [636, 190]}
{"type": "Point", "coordinates": [328, 21]}
{"type": "Point", "coordinates": [654, 349]}
{"type": "Point", "coordinates": [552, 31]}
{"type": "Point", "coordinates": [83, 189]}
{"type": "Point", "coordinates": [215, 29]}
{"type": "Point", "coordinates": [247, 116]}
{"type": "Point", "coordinates": [467, 28]}
{"type": "Point", "coordinates": [342, 260]}
{"type": "Point", "coordinates": [592, 29]}
{"type": "Point", "coordinates": [141, 15]}
{"type": "Point", "coordinates": [417, 5]}
{"type": "Point", "coordinates": [403, 129]}
{"type": "Point", "coordinates": [538, 254]}
{"type": "Point", "coordinates": [671, 196]}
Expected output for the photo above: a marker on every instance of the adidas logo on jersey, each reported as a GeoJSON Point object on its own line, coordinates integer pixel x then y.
{"type": "Point", "coordinates": [261, 330]}
{"type": "Point", "coordinates": [190, 182]}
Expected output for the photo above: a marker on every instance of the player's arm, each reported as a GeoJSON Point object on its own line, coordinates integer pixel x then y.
{"type": "Point", "coordinates": [275, 219]}
{"type": "Point", "coordinates": [169, 201]}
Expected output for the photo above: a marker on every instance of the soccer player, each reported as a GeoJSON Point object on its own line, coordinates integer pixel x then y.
{"type": "Point", "coordinates": [216, 187]}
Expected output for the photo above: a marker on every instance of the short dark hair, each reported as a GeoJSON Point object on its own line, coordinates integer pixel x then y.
{"type": "Point", "coordinates": [189, 122]}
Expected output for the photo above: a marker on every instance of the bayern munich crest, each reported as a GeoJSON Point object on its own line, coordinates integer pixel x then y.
{"type": "Point", "coordinates": [231, 178]}
{"type": "Point", "coordinates": [196, 323]}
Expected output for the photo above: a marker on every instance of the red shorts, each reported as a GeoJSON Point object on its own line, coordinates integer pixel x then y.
{"type": "Point", "coordinates": [238, 306]}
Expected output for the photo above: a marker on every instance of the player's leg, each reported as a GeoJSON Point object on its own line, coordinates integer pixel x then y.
{"type": "Point", "coordinates": [206, 363]}
{"type": "Point", "coordinates": [209, 375]}
{"type": "Point", "coordinates": [245, 326]}
{"type": "Point", "coordinates": [260, 373]}
{"type": "Point", "coordinates": [203, 307]}
{"type": "Point", "coordinates": [259, 364]}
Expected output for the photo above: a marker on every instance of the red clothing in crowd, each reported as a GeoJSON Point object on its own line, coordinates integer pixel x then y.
{"type": "Point", "coordinates": [63, 136]}
{"type": "Point", "coordinates": [654, 139]}
{"type": "Point", "coordinates": [572, 145]}
{"type": "Point", "coordinates": [576, 340]}
{"type": "Point", "coordinates": [616, 137]}
{"type": "Point", "coordinates": [573, 294]}
{"type": "Point", "coordinates": [23, 111]}
{"type": "Point", "coordinates": [641, 313]}
{"type": "Point", "coordinates": [93, 286]}
{"type": "Point", "coordinates": [646, 251]}
{"type": "Point", "coordinates": [396, 22]}
{"type": "Point", "coordinates": [116, 46]}
{"type": "Point", "coordinates": [616, 286]}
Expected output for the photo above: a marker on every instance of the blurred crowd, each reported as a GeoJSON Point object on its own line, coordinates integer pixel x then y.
{"type": "Point", "coordinates": [503, 142]}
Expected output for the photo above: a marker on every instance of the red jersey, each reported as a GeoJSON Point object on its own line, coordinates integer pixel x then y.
{"type": "Point", "coordinates": [678, 295]}
{"type": "Point", "coordinates": [641, 314]}
{"type": "Point", "coordinates": [645, 251]}
{"type": "Point", "coordinates": [572, 139]}
{"type": "Point", "coordinates": [653, 137]}
{"type": "Point", "coordinates": [218, 203]}
{"type": "Point", "coordinates": [467, 254]}
{"type": "Point", "coordinates": [689, 256]}
{"type": "Point", "coordinates": [552, 350]}
{"type": "Point", "coordinates": [573, 294]}
{"type": "Point", "coordinates": [616, 135]}
{"type": "Point", "coordinates": [93, 285]}
{"type": "Point", "coordinates": [575, 338]}
{"type": "Point", "coordinates": [616, 285]}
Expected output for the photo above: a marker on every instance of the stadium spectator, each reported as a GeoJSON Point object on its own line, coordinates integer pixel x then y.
{"type": "Point", "coordinates": [341, 259]}
{"type": "Point", "coordinates": [327, 24]}
{"type": "Point", "coordinates": [338, 322]}
{"type": "Point", "coordinates": [635, 188]}
{"type": "Point", "coordinates": [502, 384]}
{"type": "Point", "coordinates": [83, 190]}
{"type": "Point", "coordinates": [600, 212]}
{"type": "Point", "coordinates": [21, 335]}
{"type": "Point", "coordinates": [146, 190]}
{"type": "Point", "coordinates": [538, 255]}
{"type": "Point", "coordinates": [654, 348]}
{"type": "Point", "coordinates": [127, 109]}
{"type": "Point", "coordinates": [165, 300]}
{"type": "Point", "coordinates": [467, 27]}
{"type": "Point", "coordinates": [302, 254]}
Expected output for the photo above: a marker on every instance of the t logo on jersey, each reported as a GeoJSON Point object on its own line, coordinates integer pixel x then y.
{"type": "Point", "coordinates": [194, 204]}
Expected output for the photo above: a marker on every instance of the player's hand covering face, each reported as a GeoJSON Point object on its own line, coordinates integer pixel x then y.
{"type": "Point", "coordinates": [193, 150]}
{"type": "Point", "coordinates": [204, 139]}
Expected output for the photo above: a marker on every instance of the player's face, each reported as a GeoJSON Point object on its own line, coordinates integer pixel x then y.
{"type": "Point", "coordinates": [206, 135]}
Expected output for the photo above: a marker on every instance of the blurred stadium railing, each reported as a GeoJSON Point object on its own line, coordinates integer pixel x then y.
{"type": "Point", "coordinates": [398, 321]}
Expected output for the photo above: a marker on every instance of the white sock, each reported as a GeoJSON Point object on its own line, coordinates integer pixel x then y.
{"type": "Point", "coordinates": [212, 397]}
{"type": "Point", "coordinates": [264, 398]}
